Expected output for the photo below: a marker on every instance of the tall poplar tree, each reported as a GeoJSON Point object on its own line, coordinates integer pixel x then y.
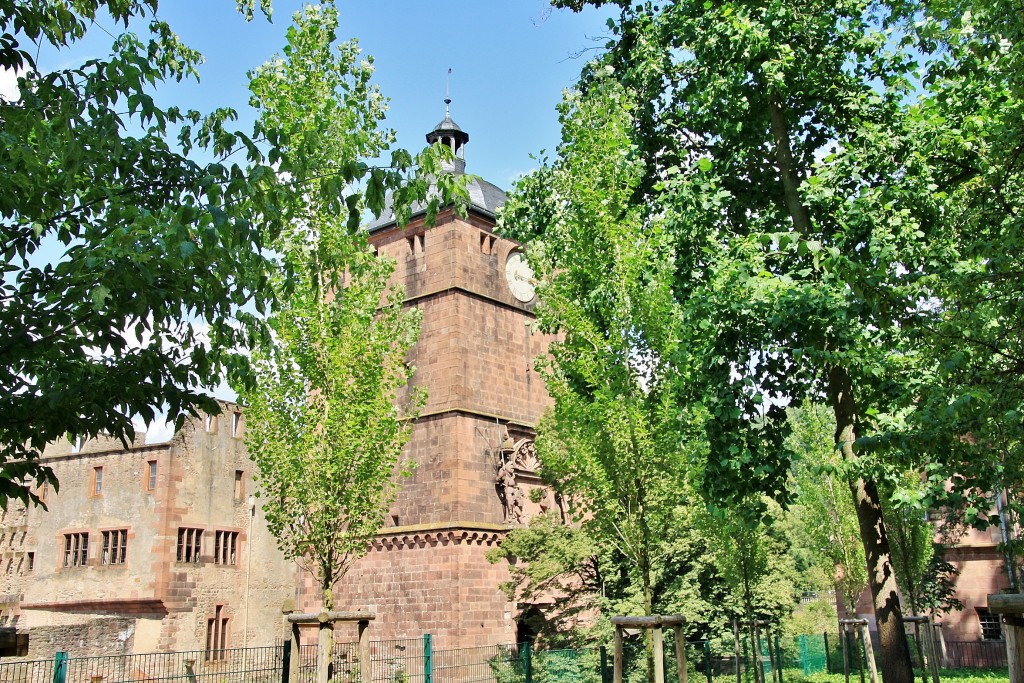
{"type": "Point", "coordinates": [324, 423]}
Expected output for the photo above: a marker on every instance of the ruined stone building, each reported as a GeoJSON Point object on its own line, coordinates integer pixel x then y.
{"type": "Point", "coordinates": [159, 547]}
{"type": "Point", "coordinates": [153, 547]}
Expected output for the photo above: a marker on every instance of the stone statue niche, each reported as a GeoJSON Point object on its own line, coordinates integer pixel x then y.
{"type": "Point", "coordinates": [519, 456]}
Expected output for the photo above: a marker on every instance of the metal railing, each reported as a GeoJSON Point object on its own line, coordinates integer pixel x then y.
{"type": "Point", "coordinates": [414, 660]}
{"type": "Point", "coordinates": [974, 654]}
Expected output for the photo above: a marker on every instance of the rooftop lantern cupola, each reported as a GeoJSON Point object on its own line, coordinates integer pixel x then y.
{"type": "Point", "coordinates": [451, 136]}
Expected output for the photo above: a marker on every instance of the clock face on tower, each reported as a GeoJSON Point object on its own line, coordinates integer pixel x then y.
{"type": "Point", "coordinates": [519, 276]}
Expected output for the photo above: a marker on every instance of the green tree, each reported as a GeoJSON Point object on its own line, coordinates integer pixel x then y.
{"type": "Point", "coordinates": [323, 423]}
{"type": "Point", "coordinates": [610, 442]}
{"type": "Point", "coordinates": [826, 519]}
{"type": "Point", "coordinates": [972, 132]}
{"type": "Point", "coordinates": [135, 235]}
{"type": "Point", "coordinates": [782, 146]}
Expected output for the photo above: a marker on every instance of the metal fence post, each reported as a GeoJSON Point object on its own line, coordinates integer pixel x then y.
{"type": "Point", "coordinates": [707, 659]}
{"type": "Point", "coordinates": [286, 660]}
{"type": "Point", "coordinates": [60, 667]}
{"type": "Point", "coordinates": [803, 655]}
{"type": "Point", "coordinates": [428, 659]}
{"type": "Point", "coordinates": [828, 655]}
{"type": "Point", "coordinates": [527, 663]}
{"type": "Point", "coordinates": [604, 663]}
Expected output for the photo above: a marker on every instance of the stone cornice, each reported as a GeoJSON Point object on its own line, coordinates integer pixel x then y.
{"type": "Point", "coordinates": [433, 535]}
{"type": "Point", "coordinates": [461, 410]}
{"type": "Point", "coordinates": [115, 605]}
{"type": "Point", "coordinates": [451, 289]}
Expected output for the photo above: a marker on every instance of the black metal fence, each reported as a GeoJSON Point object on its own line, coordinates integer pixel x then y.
{"type": "Point", "coordinates": [415, 660]}
{"type": "Point", "coordinates": [253, 664]}
{"type": "Point", "coordinates": [976, 654]}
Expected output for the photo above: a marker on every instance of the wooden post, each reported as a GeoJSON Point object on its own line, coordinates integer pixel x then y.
{"type": "Point", "coordinates": [324, 649]}
{"type": "Point", "coordinates": [929, 627]}
{"type": "Point", "coordinates": [845, 637]}
{"type": "Point", "coordinates": [758, 662]}
{"type": "Point", "coordinates": [937, 637]}
{"type": "Point", "coordinates": [680, 653]}
{"type": "Point", "coordinates": [659, 655]}
{"type": "Point", "coordinates": [1011, 607]}
{"type": "Point", "coordinates": [296, 661]}
{"type": "Point", "coordinates": [771, 655]}
{"type": "Point", "coordinates": [736, 637]}
{"type": "Point", "coordinates": [869, 651]}
{"type": "Point", "coordinates": [325, 645]}
{"type": "Point", "coordinates": [617, 662]}
{"type": "Point", "coordinates": [653, 621]}
{"type": "Point", "coordinates": [365, 662]}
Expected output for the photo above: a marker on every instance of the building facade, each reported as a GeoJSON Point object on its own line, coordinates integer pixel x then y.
{"type": "Point", "coordinates": [147, 548]}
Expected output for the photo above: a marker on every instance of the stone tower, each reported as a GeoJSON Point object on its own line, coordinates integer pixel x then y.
{"type": "Point", "coordinates": [472, 444]}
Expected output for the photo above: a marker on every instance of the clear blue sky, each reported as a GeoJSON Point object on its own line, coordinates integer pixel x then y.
{"type": "Point", "coordinates": [510, 59]}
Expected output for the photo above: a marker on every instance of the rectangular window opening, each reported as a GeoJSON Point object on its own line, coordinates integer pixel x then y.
{"type": "Point", "coordinates": [225, 544]}
{"type": "Point", "coordinates": [115, 546]}
{"type": "Point", "coordinates": [239, 485]}
{"type": "Point", "coordinates": [991, 628]}
{"type": "Point", "coordinates": [190, 544]}
{"type": "Point", "coordinates": [97, 481]}
{"type": "Point", "coordinates": [236, 424]}
{"type": "Point", "coordinates": [421, 239]}
{"type": "Point", "coordinates": [151, 476]}
{"type": "Point", "coordinates": [216, 635]}
{"type": "Point", "coordinates": [210, 423]}
{"type": "Point", "coordinates": [76, 549]}
{"type": "Point", "coordinates": [31, 562]}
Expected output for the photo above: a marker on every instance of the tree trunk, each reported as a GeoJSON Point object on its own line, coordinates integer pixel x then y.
{"type": "Point", "coordinates": [325, 642]}
{"type": "Point", "coordinates": [895, 655]}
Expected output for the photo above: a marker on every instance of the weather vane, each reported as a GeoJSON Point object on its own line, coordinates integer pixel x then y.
{"type": "Point", "coordinates": [447, 92]}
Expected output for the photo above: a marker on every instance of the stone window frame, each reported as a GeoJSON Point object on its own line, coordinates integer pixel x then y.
{"type": "Point", "coordinates": [152, 472]}
{"type": "Point", "coordinates": [75, 545]}
{"type": "Point", "coordinates": [217, 630]}
{"type": "Point", "coordinates": [226, 547]}
{"type": "Point", "coordinates": [189, 546]}
{"type": "Point", "coordinates": [96, 488]}
{"type": "Point", "coordinates": [115, 541]}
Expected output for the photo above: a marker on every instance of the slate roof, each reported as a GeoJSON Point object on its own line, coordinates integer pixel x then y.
{"type": "Point", "coordinates": [484, 197]}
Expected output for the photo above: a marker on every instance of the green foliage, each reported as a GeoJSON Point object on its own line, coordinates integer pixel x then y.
{"type": "Point", "coordinates": [610, 444]}
{"type": "Point", "coordinates": [824, 516]}
{"type": "Point", "coordinates": [840, 184]}
{"type": "Point", "coordinates": [323, 426]}
{"type": "Point", "coordinates": [136, 235]}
